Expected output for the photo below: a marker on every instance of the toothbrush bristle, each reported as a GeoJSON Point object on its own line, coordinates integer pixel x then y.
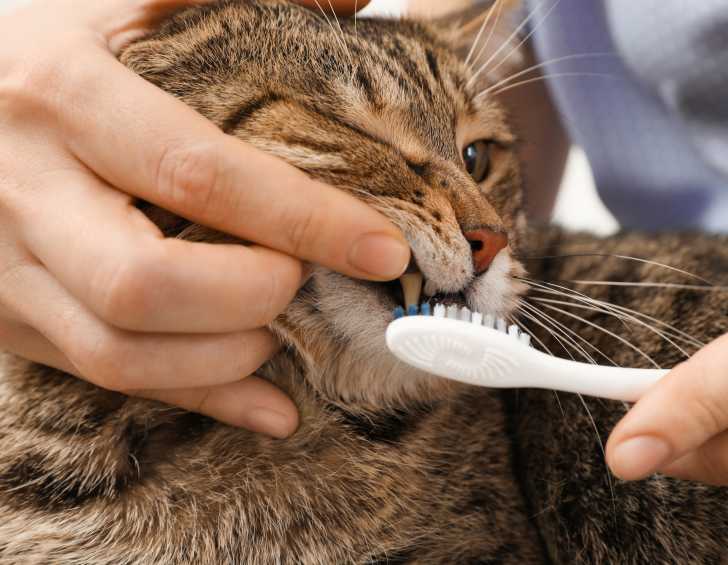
{"type": "Point", "coordinates": [463, 314]}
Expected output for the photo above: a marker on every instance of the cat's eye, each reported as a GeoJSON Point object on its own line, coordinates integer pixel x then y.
{"type": "Point", "coordinates": [476, 157]}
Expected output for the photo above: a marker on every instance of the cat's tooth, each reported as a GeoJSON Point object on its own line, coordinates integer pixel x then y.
{"type": "Point", "coordinates": [412, 288]}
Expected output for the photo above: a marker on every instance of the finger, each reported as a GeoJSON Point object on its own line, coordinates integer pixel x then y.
{"type": "Point", "coordinates": [253, 403]}
{"type": "Point", "coordinates": [176, 159]}
{"type": "Point", "coordinates": [27, 343]}
{"type": "Point", "coordinates": [340, 7]}
{"type": "Point", "coordinates": [679, 414]}
{"type": "Point", "coordinates": [113, 259]}
{"type": "Point", "coordinates": [707, 464]}
{"type": "Point", "coordinates": [120, 360]}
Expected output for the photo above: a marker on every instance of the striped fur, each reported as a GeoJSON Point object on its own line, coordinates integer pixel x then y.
{"type": "Point", "coordinates": [389, 466]}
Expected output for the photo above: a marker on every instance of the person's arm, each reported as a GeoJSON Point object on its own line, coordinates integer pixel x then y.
{"type": "Point", "coordinates": [89, 285]}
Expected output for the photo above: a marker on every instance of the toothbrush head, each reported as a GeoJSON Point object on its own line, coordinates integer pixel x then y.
{"type": "Point", "coordinates": [464, 314]}
{"type": "Point", "coordinates": [453, 342]}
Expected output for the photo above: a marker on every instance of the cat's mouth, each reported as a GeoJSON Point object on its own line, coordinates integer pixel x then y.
{"type": "Point", "coordinates": [411, 289]}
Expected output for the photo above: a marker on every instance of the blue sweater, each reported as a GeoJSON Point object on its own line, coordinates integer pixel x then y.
{"type": "Point", "coordinates": [656, 129]}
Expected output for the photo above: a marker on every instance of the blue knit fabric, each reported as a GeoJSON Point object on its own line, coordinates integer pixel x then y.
{"type": "Point", "coordinates": [655, 128]}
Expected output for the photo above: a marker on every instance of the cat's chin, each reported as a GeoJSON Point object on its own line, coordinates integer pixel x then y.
{"type": "Point", "coordinates": [337, 325]}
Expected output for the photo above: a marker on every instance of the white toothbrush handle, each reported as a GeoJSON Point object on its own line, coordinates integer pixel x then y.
{"type": "Point", "coordinates": [616, 383]}
{"type": "Point", "coordinates": [474, 354]}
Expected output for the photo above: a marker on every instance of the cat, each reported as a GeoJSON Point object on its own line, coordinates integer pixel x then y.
{"type": "Point", "coordinates": [389, 465]}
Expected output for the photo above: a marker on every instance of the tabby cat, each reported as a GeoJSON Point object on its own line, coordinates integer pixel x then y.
{"type": "Point", "coordinates": [389, 465]}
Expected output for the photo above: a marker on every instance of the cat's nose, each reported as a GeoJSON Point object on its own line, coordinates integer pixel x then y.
{"type": "Point", "coordinates": [486, 244]}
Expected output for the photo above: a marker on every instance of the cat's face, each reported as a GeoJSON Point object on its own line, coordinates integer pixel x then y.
{"type": "Point", "coordinates": [386, 111]}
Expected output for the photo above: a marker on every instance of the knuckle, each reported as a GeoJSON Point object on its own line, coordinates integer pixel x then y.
{"type": "Point", "coordinates": [104, 361]}
{"type": "Point", "coordinates": [123, 292]}
{"type": "Point", "coordinates": [36, 85]}
{"type": "Point", "coordinates": [271, 300]}
{"type": "Point", "coordinates": [301, 230]}
{"type": "Point", "coordinates": [191, 177]}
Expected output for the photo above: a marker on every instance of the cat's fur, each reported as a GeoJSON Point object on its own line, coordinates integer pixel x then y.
{"type": "Point", "coordinates": [388, 466]}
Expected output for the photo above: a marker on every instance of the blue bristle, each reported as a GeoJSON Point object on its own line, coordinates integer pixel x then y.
{"type": "Point", "coordinates": [398, 312]}
{"type": "Point", "coordinates": [425, 309]}
{"type": "Point", "coordinates": [412, 310]}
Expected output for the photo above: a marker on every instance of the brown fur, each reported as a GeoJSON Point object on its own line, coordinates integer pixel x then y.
{"type": "Point", "coordinates": [389, 465]}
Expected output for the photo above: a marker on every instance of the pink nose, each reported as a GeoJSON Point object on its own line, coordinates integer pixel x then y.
{"type": "Point", "coordinates": [486, 244]}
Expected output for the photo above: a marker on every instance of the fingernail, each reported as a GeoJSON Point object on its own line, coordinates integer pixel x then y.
{"type": "Point", "coordinates": [380, 255]}
{"type": "Point", "coordinates": [270, 423]}
{"type": "Point", "coordinates": [639, 457]}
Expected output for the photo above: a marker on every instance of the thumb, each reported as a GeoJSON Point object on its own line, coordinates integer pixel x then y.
{"type": "Point", "coordinates": [688, 407]}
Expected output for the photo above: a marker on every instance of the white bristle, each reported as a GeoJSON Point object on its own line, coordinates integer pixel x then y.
{"type": "Point", "coordinates": [477, 318]}
{"type": "Point", "coordinates": [464, 314]}
{"type": "Point", "coordinates": [525, 339]}
{"type": "Point", "coordinates": [440, 311]}
{"type": "Point", "coordinates": [501, 325]}
{"type": "Point", "coordinates": [513, 331]}
{"type": "Point", "coordinates": [489, 321]}
{"type": "Point", "coordinates": [452, 312]}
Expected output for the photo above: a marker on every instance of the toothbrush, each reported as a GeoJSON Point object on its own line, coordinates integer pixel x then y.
{"type": "Point", "coordinates": [465, 346]}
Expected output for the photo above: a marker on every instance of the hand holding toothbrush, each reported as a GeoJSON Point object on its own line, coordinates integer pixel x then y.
{"type": "Point", "coordinates": [680, 426]}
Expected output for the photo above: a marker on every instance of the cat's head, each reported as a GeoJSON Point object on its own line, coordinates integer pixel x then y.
{"type": "Point", "coordinates": [388, 111]}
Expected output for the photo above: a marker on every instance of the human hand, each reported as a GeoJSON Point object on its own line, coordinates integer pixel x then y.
{"type": "Point", "coordinates": [679, 427]}
{"type": "Point", "coordinates": [89, 285]}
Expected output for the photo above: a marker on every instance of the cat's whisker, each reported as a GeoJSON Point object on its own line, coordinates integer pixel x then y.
{"type": "Point", "coordinates": [552, 289]}
{"type": "Point", "coordinates": [547, 77]}
{"type": "Point", "coordinates": [652, 284]}
{"type": "Point", "coordinates": [356, 18]}
{"type": "Point", "coordinates": [604, 330]}
{"type": "Point", "coordinates": [559, 327]}
{"type": "Point", "coordinates": [618, 256]}
{"type": "Point", "coordinates": [550, 331]}
{"type": "Point", "coordinates": [339, 36]}
{"type": "Point", "coordinates": [515, 33]}
{"type": "Point", "coordinates": [528, 36]}
{"type": "Point", "coordinates": [521, 325]}
{"type": "Point", "coordinates": [532, 68]}
{"type": "Point", "coordinates": [524, 328]}
{"type": "Point", "coordinates": [563, 291]}
{"type": "Point", "coordinates": [601, 446]}
{"type": "Point", "coordinates": [608, 309]}
{"type": "Point", "coordinates": [659, 333]}
{"type": "Point", "coordinates": [675, 332]}
{"type": "Point", "coordinates": [497, 7]}
{"type": "Point", "coordinates": [580, 338]}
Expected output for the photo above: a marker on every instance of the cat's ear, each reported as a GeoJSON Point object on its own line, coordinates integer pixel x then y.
{"type": "Point", "coordinates": [484, 33]}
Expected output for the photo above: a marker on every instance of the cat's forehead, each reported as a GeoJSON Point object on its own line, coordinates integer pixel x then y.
{"type": "Point", "coordinates": [395, 78]}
